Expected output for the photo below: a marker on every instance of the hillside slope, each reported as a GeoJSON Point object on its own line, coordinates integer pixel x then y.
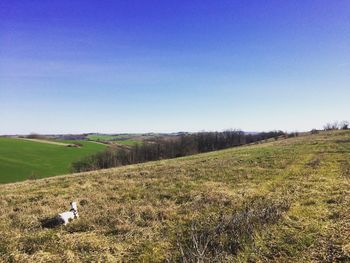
{"type": "Point", "coordinates": [285, 201]}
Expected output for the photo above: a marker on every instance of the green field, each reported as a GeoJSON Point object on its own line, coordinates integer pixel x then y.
{"type": "Point", "coordinates": [120, 139]}
{"type": "Point", "coordinates": [281, 201]}
{"type": "Point", "coordinates": [21, 159]}
{"type": "Point", "coordinates": [104, 137]}
{"type": "Point", "coordinates": [129, 142]}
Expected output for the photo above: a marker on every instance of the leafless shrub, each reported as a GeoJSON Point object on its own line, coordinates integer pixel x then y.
{"type": "Point", "coordinates": [344, 125]}
{"type": "Point", "coordinates": [292, 134]}
{"type": "Point", "coordinates": [216, 239]}
{"type": "Point", "coordinates": [331, 126]}
{"type": "Point", "coordinates": [314, 131]}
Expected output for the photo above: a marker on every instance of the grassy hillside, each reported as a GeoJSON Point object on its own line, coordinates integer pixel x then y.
{"type": "Point", "coordinates": [104, 137]}
{"type": "Point", "coordinates": [120, 139]}
{"type": "Point", "coordinates": [22, 159]}
{"type": "Point", "coordinates": [284, 201]}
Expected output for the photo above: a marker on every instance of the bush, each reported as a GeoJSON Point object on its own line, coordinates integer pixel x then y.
{"type": "Point", "coordinates": [292, 134]}
{"type": "Point", "coordinates": [344, 125]}
{"type": "Point", "coordinates": [216, 239]}
{"type": "Point", "coordinates": [314, 131]}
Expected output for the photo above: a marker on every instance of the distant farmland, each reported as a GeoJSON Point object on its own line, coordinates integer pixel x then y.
{"type": "Point", "coordinates": [22, 159]}
{"type": "Point", "coordinates": [120, 138]}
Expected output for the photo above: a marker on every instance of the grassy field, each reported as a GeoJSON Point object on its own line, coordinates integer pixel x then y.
{"type": "Point", "coordinates": [120, 139]}
{"type": "Point", "coordinates": [104, 137]}
{"type": "Point", "coordinates": [129, 142]}
{"type": "Point", "coordinates": [23, 159]}
{"type": "Point", "coordinates": [283, 201]}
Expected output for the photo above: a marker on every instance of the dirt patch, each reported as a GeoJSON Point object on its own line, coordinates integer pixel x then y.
{"type": "Point", "coordinates": [315, 162]}
{"type": "Point", "coordinates": [44, 141]}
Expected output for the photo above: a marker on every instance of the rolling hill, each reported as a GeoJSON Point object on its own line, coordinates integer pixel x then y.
{"type": "Point", "coordinates": [22, 159]}
{"type": "Point", "coordinates": [283, 201]}
{"type": "Point", "coordinates": [123, 139]}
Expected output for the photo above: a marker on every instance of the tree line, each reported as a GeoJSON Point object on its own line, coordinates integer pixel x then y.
{"type": "Point", "coordinates": [343, 125]}
{"type": "Point", "coordinates": [170, 147]}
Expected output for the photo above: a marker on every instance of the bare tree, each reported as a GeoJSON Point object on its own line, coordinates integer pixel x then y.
{"type": "Point", "coordinates": [344, 125]}
{"type": "Point", "coordinates": [331, 126]}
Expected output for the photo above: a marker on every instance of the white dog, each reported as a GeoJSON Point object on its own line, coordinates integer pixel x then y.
{"type": "Point", "coordinates": [68, 216]}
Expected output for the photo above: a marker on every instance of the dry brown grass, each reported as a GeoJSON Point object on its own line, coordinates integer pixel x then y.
{"type": "Point", "coordinates": [284, 201]}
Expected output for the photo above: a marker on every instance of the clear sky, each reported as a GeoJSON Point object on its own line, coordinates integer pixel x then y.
{"type": "Point", "coordinates": [70, 66]}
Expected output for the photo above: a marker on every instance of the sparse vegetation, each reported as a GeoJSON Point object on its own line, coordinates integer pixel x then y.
{"type": "Point", "coordinates": [221, 237]}
{"type": "Point", "coordinates": [281, 201]}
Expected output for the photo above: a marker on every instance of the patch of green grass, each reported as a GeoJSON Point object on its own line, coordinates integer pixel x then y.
{"type": "Point", "coordinates": [125, 139]}
{"type": "Point", "coordinates": [107, 137]}
{"type": "Point", "coordinates": [22, 159]}
{"type": "Point", "coordinates": [102, 137]}
{"type": "Point", "coordinates": [129, 142]}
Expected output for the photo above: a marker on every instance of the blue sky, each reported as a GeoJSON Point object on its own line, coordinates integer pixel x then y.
{"type": "Point", "coordinates": [163, 66]}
